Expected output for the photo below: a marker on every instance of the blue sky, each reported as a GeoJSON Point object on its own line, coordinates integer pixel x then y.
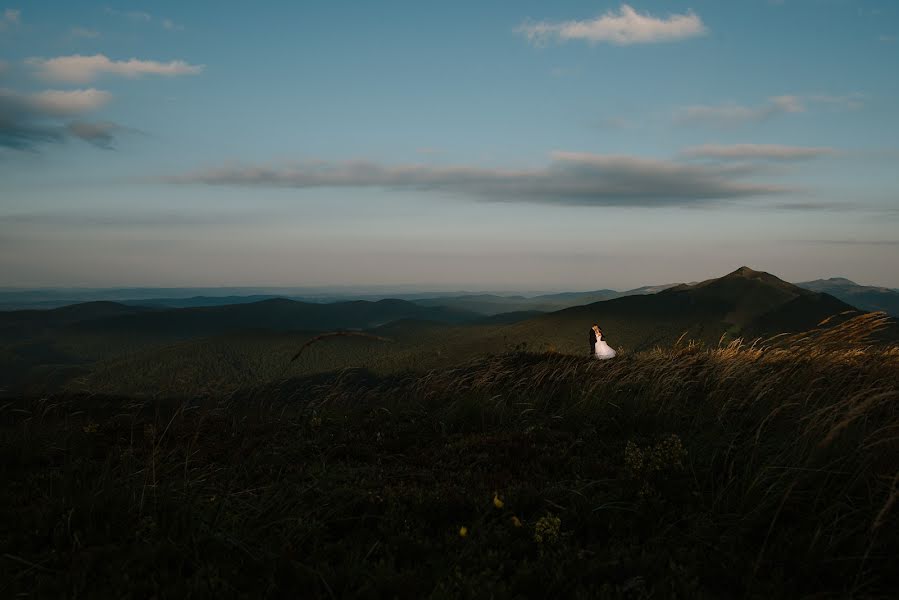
{"type": "Point", "coordinates": [500, 145]}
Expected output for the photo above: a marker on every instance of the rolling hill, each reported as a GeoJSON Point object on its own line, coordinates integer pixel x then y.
{"type": "Point", "coordinates": [18, 324]}
{"type": "Point", "coordinates": [48, 346]}
{"type": "Point", "coordinates": [865, 297]}
{"type": "Point", "coordinates": [276, 314]}
{"type": "Point", "coordinates": [744, 303]}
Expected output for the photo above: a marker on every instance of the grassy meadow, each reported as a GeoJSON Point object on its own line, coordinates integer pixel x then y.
{"type": "Point", "coordinates": [687, 470]}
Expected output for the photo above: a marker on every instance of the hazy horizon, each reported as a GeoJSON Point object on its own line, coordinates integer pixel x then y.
{"type": "Point", "coordinates": [513, 146]}
{"type": "Point", "coordinates": [352, 290]}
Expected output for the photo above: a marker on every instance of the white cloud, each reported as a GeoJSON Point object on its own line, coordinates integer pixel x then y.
{"type": "Point", "coordinates": [625, 27]}
{"type": "Point", "coordinates": [83, 69]}
{"type": "Point", "coordinates": [887, 39]}
{"type": "Point", "coordinates": [757, 152]}
{"type": "Point", "coordinates": [69, 102]}
{"type": "Point", "coordinates": [51, 103]}
{"type": "Point", "coordinates": [570, 179]}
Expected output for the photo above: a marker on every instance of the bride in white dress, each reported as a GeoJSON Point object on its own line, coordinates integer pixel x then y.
{"type": "Point", "coordinates": [601, 349]}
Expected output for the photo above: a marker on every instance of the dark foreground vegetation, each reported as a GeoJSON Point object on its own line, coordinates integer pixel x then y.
{"type": "Point", "coordinates": [736, 471]}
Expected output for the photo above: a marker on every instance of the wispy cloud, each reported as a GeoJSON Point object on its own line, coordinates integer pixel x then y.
{"type": "Point", "coordinates": [569, 179]}
{"type": "Point", "coordinates": [132, 15]}
{"type": "Point", "coordinates": [852, 101]}
{"type": "Point", "coordinates": [757, 152]}
{"type": "Point", "coordinates": [84, 69]}
{"type": "Point", "coordinates": [850, 242]}
{"type": "Point", "coordinates": [887, 39]}
{"type": "Point", "coordinates": [10, 18]}
{"type": "Point", "coordinates": [625, 27]}
{"type": "Point", "coordinates": [165, 219]}
{"type": "Point", "coordinates": [729, 114]}
{"type": "Point", "coordinates": [101, 133]}
{"type": "Point", "coordinates": [29, 120]}
{"type": "Point", "coordinates": [737, 114]}
{"type": "Point", "coordinates": [170, 25]}
{"type": "Point", "coordinates": [83, 32]}
{"type": "Point", "coordinates": [139, 16]}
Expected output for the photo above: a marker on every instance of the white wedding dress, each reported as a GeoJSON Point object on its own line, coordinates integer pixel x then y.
{"type": "Point", "coordinates": [602, 350]}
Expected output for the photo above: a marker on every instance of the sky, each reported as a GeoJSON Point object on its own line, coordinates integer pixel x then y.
{"type": "Point", "coordinates": [515, 145]}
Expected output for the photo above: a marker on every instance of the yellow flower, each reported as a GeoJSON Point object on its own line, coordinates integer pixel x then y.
{"type": "Point", "coordinates": [496, 501]}
{"type": "Point", "coordinates": [91, 427]}
{"type": "Point", "coordinates": [516, 521]}
{"type": "Point", "coordinates": [463, 531]}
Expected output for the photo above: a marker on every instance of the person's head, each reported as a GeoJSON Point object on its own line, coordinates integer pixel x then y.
{"type": "Point", "coordinates": [597, 329]}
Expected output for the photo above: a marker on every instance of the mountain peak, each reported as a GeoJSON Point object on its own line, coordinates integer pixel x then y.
{"type": "Point", "coordinates": [760, 276]}
{"type": "Point", "coordinates": [745, 271]}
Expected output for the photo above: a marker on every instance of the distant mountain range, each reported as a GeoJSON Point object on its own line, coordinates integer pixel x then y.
{"type": "Point", "coordinates": [492, 304]}
{"type": "Point", "coordinates": [273, 314]}
{"type": "Point", "coordinates": [865, 297]}
{"type": "Point", "coordinates": [242, 341]}
{"type": "Point", "coordinates": [870, 298]}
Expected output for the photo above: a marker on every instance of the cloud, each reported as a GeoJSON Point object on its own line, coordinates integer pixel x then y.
{"type": "Point", "coordinates": [83, 69]}
{"type": "Point", "coordinates": [139, 16]}
{"type": "Point", "coordinates": [623, 28]}
{"type": "Point", "coordinates": [852, 101]}
{"type": "Point", "coordinates": [138, 219]}
{"type": "Point", "coordinates": [10, 18]}
{"type": "Point", "coordinates": [82, 32]}
{"type": "Point", "coordinates": [569, 179]}
{"type": "Point", "coordinates": [170, 25]}
{"type": "Point", "coordinates": [133, 15]}
{"type": "Point", "coordinates": [886, 39]}
{"type": "Point", "coordinates": [737, 114]}
{"type": "Point", "coordinates": [851, 242]}
{"type": "Point", "coordinates": [101, 134]}
{"type": "Point", "coordinates": [29, 120]}
{"type": "Point", "coordinates": [730, 114]}
{"type": "Point", "coordinates": [61, 103]}
{"type": "Point", "coordinates": [51, 103]}
{"type": "Point", "coordinates": [757, 152]}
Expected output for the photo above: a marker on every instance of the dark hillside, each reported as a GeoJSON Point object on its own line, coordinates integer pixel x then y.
{"type": "Point", "coordinates": [276, 315]}
{"type": "Point", "coordinates": [740, 471]}
{"type": "Point", "coordinates": [742, 303]}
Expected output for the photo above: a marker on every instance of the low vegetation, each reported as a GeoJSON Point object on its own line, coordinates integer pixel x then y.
{"type": "Point", "coordinates": [767, 470]}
